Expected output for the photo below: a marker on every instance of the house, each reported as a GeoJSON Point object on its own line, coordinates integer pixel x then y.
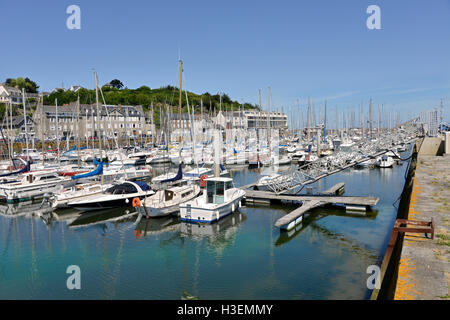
{"type": "Point", "coordinates": [112, 121]}
{"type": "Point", "coordinates": [15, 127]}
{"type": "Point", "coordinates": [75, 88]}
{"type": "Point", "coordinates": [10, 95]}
{"type": "Point", "coordinates": [14, 95]}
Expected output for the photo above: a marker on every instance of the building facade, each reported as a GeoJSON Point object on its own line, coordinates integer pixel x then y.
{"type": "Point", "coordinates": [252, 119]}
{"type": "Point", "coordinates": [111, 121]}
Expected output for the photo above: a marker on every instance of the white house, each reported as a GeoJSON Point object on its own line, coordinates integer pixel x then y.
{"type": "Point", "coordinates": [10, 95]}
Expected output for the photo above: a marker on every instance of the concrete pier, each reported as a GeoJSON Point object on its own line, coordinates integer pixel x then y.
{"type": "Point", "coordinates": [309, 202]}
{"type": "Point", "coordinates": [424, 268]}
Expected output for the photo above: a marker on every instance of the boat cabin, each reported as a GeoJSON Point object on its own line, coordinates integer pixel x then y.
{"type": "Point", "coordinates": [177, 192]}
{"type": "Point", "coordinates": [216, 189]}
{"type": "Point", "coordinates": [39, 177]}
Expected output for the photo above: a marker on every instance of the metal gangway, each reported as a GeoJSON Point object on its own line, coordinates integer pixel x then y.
{"type": "Point", "coordinates": [362, 151]}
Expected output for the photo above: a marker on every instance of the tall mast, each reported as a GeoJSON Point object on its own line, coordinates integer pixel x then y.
{"type": "Point", "coordinates": [370, 118]}
{"type": "Point", "coordinates": [325, 122]}
{"type": "Point", "coordinates": [41, 107]}
{"type": "Point", "coordinates": [153, 127]}
{"type": "Point", "coordinates": [179, 110]}
{"type": "Point", "coordinates": [98, 116]}
{"type": "Point", "coordinates": [307, 120]}
{"type": "Point", "coordinates": [78, 130]}
{"type": "Point", "coordinates": [25, 120]}
{"type": "Point", "coordinates": [268, 122]}
{"type": "Point", "coordinates": [57, 128]}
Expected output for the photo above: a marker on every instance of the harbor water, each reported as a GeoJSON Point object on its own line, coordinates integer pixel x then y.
{"type": "Point", "coordinates": [241, 257]}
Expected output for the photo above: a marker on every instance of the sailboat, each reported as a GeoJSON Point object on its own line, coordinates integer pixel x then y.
{"type": "Point", "coordinates": [167, 201]}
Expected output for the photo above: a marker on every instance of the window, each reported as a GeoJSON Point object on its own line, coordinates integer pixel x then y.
{"type": "Point", "coordinates": [220, 187]}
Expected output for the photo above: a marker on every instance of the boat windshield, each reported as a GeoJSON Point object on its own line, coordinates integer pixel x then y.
{"type": "Point", "coordinates": [121, 189]}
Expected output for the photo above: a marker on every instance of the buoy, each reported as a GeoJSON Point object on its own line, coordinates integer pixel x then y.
{"type": "Point", "coordinates": [202, 180]}
{"type": "Point", "coordinates": [136, 202]}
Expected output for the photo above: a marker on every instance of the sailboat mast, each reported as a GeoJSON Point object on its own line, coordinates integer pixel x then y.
{"type": "Point", "coordinates": [268, 122]}
{"type": "Point", "coordinates": [57, 128]}
{"type": "Point", "coordinates": [179, 110]}
{"type": "Point", "coordinates": [42, 122]}
{"type": "Point", "coordinates": [78, 130]}
{"type": "Point", "coordinates": [25, 120]}
{"type": "Point", "coordinates": [98, 116]}
{"type": "Point", "coordinates": [307, 120]}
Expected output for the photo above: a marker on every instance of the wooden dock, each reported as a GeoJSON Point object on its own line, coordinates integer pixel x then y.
{"type": "Point", "coordinates": [310, 202]}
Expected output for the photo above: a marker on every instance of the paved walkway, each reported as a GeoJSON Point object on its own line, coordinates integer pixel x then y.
{"type": "Point", "coordinates": [424, 270]}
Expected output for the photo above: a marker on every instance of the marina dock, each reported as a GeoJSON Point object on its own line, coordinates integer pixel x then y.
{"type": "Point", "coordinates": [309, 202]}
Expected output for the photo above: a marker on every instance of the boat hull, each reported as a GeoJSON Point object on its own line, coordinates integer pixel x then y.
{"type": "Point", "coordinates": [193, 214]}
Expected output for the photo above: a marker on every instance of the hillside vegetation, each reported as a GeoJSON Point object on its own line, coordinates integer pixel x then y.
{"type": "Point", "coordinates": [145, 96]}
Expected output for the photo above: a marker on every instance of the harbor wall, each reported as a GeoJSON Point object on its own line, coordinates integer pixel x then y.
{"type": "Point", "coordinates": [390, 264]}
{"type": "Point", "coordinates": [418, 266]}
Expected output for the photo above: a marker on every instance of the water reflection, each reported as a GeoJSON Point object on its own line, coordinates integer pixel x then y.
{"type": "Point", "coordinates": [146, 227]}
{"type": "Point", "coordinates": [26, 208]}
{"type": "Point", "coordinates": [321, 213]}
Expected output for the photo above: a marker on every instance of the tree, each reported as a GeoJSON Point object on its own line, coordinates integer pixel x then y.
{"type": "Point", "coordinates": [21, 83]}
{"type": "Point", "coordinates": [116, 83]}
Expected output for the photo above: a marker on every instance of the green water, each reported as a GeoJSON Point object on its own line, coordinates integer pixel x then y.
{"type": "Point", "coordinates": [242, 257]}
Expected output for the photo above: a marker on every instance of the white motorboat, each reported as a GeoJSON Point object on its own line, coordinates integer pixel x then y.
{"type": "Point", "coordinates": [385, 161]}
{"type": "Point", "coordinates": [283, 161]}
{"type": "Point", "coordinates": [167, 201]}
{"type": "Point", "coordinates": [34, 185]}
{"type": "Point", "coordinates": [80, 191]}
{"type": "Point", "coordinates": [219, 199]}
{"type": "Point", "coordinates": [367, 163]}
{"type": "Point", "coordinates": [119, 195]}
{"type": "Point", "coordinates": [158, 159]}
{"type": "Point", "coordinates": [265, 181]}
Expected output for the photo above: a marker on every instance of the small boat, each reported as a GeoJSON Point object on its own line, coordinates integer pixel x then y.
{"type": "Point", "coordinates": [385, 161]}
{"type": "Point", "coordinates": [80, 191]}
{"type": "Point", "coordinates": [265, 181]}
{"type": "Point", "coordinates": [283, 161]}
{"type": "Point", "coordinates": [119, 195]}
{"type": "Point", "coordinates": [34, 185]}
{"type": "Point", "coordinates": [157, 159]}
{"type": "Point", "coordinates": [166, 202]}
{"type": "Point", "coordinates": [219, 199]}
{"type": "Point", "coordinates": [367, 163]}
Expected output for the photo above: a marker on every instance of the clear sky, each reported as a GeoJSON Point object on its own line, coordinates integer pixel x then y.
{"type": "Point", "coordinates": [322, 49]}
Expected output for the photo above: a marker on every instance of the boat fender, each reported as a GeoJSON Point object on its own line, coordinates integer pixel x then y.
{"type": "Point", "coordinates": [202, 180]}
{"type": "Point", "coordinates": [232, 207]}
{"type": "Point", "coordinates": [136, 202]}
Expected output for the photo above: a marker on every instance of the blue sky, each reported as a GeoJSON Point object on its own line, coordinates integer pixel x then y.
{"type": "Point", "coordinates": [320, 49]}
